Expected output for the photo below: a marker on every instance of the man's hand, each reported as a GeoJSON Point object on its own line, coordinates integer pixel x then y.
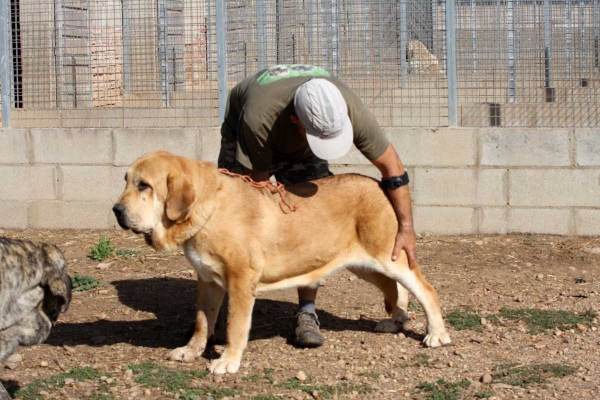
{"type": "Point", "coordinates": [405, 240]}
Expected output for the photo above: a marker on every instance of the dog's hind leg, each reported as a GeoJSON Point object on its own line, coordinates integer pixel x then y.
{"type": "Point", "coordinates": [395, 298]}
{"type": "Point", "coordinates": [413, 280]}
{"type": "Point", "coordinates": [210, 297]}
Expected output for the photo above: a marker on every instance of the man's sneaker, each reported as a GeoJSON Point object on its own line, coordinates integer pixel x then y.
{"type": "Point", "coordinates": [307, 330]}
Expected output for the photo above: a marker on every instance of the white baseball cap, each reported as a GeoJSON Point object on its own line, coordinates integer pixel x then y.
{"type": "Point", "coordinates": [323, 112]}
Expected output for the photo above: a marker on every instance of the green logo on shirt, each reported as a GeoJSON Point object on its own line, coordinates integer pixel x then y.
{"type": "Point", "coordinates": [282, 71]}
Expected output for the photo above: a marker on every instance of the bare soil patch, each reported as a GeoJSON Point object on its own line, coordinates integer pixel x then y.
{"type": "Point", "coordinates": [114, 340]}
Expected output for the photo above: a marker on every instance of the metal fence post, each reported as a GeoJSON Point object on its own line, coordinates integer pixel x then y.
{"type": "Point", "coordinates": [451, 63]}
{"type": "Point", "coordinates": [474, 33]}
{"type": "Point", "coordinates": [309, 29]}
{"type": "Point", "coordinates": [222, 57]}
{"type": "Point", "coordinates": [126, 33]}
{"type": "Point", "coordinates": [162, 50]}
{"type": "Point", "coordinates": [445, 34]}
{"type": "Point", "coordinates": [367, 13]}
{"type": "Point", "coordinates": [335, 39]}
{"type": "Point", "coordinates": [5, 63]}
{"type": "Point", "coordinates": [569, 39]}
{"type": "Point", "coordinates": [547, 47]}
{"type": "Point", "coordinates": [582, 48]}
{"type": "Point", "coordinates": [596, 33]}
{"type": "Point", "coordinates": [511, 52]}
{"type": "Point", "coordinates": [260, 26]}
{"type": "Point", "coordinates": [403, 44]}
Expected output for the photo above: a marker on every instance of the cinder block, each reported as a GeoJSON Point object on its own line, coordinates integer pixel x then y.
{"type": "Point", "coordinates": [92, 183]}
{"type": "Point", "coordinates": [493, 220]}
{"type": "Point", "coordinates": [460, 187]}
{"type": "Point", "coordinates": [132, 143]}
{"type": "Point", "coordinates": [555, 187]}
{"type": "Point", "coordinates": [427, 147]}
{"type": "Point", "coordinates": [72, 146]}
{"type": "Point", "coordinates": [553, 221]}
{"type": "Point", "coordinates": [14, 146]}
{"type": "Point", "coordinates": [445, 220]}
{"type": "Point", "coordinates": [22, 183]}
{"type": "Point", "coordinates": [525, 147]}
{"type": "Point", "coordinates": [93, 118]}
{"type": "Point", "coordinates": [587, 222]}
{"type": "Point", "coordinates": [587, 145]}
{"type": "Point", "coordinates": [71, 215]}
{"type": "Point", "coordinates": [210, 143]}
{"type": "Point", "coordinates": [117, 184]}
{"type": "Point", "coordinates": [13, 214]}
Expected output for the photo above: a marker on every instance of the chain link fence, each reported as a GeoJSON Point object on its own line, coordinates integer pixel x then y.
{"type": "Point", "coordinates": [157, 63]}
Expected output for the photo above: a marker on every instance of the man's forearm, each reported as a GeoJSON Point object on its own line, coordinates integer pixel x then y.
{"type": "Point", "coordinates": [400, 199]}
{"type": "Point", "coordinates": [390, 165]}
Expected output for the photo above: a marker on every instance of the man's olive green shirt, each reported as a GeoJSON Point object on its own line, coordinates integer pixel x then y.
{"type": "Point", "coordinates": [258, 118]}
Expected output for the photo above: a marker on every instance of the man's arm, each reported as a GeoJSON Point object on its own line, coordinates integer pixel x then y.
{"type": "Point", "coordinates": [390, 165]}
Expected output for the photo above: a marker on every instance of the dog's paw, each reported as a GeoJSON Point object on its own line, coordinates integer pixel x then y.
{"type": "Point", "coordinates": [224, 365]}
{"type": "Point", "coordinates": [184, 354]}
{"type": "Point", "coordinates": [389, 326]}
{"type": "Point", "coordinates": [437, 339]}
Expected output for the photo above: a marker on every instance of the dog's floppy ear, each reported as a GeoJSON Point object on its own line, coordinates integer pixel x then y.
{"type": "Point", "coordinates": [180, 197]}
{"type": "Point", "coordinates": [61, 289]}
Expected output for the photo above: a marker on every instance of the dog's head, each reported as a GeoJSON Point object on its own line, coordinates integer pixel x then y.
{"type": "Point", "coordinates": [157, 187]}
{"type": "Point", "coordinates": [55, 282]}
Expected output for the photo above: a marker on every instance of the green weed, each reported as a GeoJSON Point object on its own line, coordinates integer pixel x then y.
{"type": "Point", "coordinates": [539, 320]}
{"type": "Point", "coordinates": [129, 253]}
{"type": "Point", "coordinates": [483, 395]}
{"type": "Point", "coordinates": [421, 360]}
{"type": "Point", "coordinates": [325, 391]}
{"type": "Point", "coordinates": [251, 378]}
{"type": "Point", "coordinates": [82, 283]}
{"type": "Point", "coordinates": [197, 394]}
{"type": "Point", "coordinates": [523, 376]}
{"type": "Point", "coordinates": [166, 378]}
{"type": "Point", "coordinates": [30, 392]}
{"type": "Point", "coordinates": [462, 319]}
{"type": "Point", "coordinates": [103, 249]}
{"type": "Point", "coordinates": [444, 390]}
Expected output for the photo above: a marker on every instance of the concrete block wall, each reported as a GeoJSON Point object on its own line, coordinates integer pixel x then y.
{"type": "Point", "coordinates": [463, 181]}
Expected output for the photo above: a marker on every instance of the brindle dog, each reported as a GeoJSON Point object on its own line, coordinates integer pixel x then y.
{"type": "Point", "coordinates": [34, 290]}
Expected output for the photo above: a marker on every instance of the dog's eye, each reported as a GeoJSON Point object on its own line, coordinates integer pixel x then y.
{"type": "Point", "coordinates": [143, 186]}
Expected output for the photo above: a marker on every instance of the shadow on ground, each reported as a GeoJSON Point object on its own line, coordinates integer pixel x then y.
{"type": "Point", "coordinates": [172, 301]}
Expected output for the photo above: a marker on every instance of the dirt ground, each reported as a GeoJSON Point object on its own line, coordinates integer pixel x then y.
{"type": "Point", "coordinates": [146, 309]}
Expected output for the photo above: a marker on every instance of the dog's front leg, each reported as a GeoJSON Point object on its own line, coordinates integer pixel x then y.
{"type": "Point", "coordinates": [210, 297]}
{"type": "Point", "coordinates": [241, 301]}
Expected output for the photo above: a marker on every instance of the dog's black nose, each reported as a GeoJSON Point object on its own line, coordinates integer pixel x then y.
{"type": "Point", "coordinates": [118, 209]}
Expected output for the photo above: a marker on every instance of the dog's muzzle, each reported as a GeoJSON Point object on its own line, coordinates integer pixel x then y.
{"type": "Point", "coordinates": [119, 210]}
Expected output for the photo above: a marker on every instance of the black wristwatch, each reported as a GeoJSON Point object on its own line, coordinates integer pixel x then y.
{"type": "Point", "coordinates": [395, 182]}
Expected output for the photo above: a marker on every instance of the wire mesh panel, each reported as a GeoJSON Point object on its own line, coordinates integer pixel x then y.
{"type": "Point", "coordinates": [113, 63]}
{"type": "Point", "coordinates": [528, 63]}
{"type": "Point", "coordinates": [163, 63]}
{"type": "Point", "coordinates": [385, 50]}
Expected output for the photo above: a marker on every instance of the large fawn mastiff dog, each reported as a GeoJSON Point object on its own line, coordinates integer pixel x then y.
{"type": "Point", "coordinates": [238, 240]}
